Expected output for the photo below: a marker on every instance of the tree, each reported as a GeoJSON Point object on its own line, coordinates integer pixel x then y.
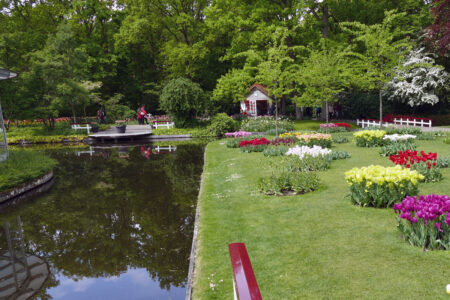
{"type": "Point", "coordinates": [183, 100]}
{"type": "Point", "coordinates": [323, 75]}
{"type": "Point", "coordinates": [438, 33]}
{"type": "Point", "coordinates": [416, 82]}
{"type": "Point", "coordinates": [381, 49]}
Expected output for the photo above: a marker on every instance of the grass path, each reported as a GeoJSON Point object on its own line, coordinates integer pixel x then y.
{"type": "Point", "coordinates": [312, 246]}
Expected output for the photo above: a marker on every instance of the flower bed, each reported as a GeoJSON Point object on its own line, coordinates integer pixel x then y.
{"type": "Point", "coordinates": [254, 145]}
{"type": "Point", "coordinates": [318, 139]}
{"type": "Point", "coordinates": [289, 183]}
{"type": "Point", "coordinates": [238, 134]}
{"type": "Point", "coordinates": [283, 141]}
{"type": "Point", "coordinates": [424, 221]}
{"type": "Point", "coordinates": [369, 138]}
{"type": "Point", "coordinates": [394, 147]}
{"type": "Point", "coordinates": [314, 151]}
{"type": "Point", "coordinates": [399, 137]}
{"type": "Point", "coordinates": [379, 186]}
{"type": "Point", "coordinates": [425, 163]}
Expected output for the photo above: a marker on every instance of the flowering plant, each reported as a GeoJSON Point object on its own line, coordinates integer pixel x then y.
{"type": "Point", "coordinates": [381, 186]}
{"type": "Point", "coordinates": [283, 141]}
{"type": "Point", "coordinates": [304, 150]}
{"type": "Point", "coordinates": [329, 125]}
{"type": "Point", "coordinates": [425, 220]}
{"type": "Point", "coordinates": [425, 163]}
{"type": "Point", "coordinates": [399, 137]}
{"type": "Point", "coordinates": [369, 138]}
{"type": "Point", "coordinates": [254, 142]}
{"type": "Point", "coordinates": [346, 125]}
{"type": "Point", "coordinates": [319, 139]}
{"type": "Point", "coordinates": [238, 134]}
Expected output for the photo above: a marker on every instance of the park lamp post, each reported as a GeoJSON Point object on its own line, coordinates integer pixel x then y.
{"type": "Point", "coordinates": [4, 74]}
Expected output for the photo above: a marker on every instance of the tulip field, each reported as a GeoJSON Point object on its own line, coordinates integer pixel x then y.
{"type": "Point", "coordinates": [340, 240]}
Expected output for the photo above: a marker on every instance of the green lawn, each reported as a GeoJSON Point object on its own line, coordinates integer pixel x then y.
{"type": "Point", "coordinates": [23, 166]}
{"type": "Point", "coordinates": [314, 124]}
{"type": "Point", "coordinates": [312, 246]}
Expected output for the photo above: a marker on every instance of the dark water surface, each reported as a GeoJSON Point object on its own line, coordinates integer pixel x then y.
{"type": "Point", "coordinates": [116, 224]}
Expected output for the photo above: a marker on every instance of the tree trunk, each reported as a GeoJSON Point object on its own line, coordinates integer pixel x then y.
{"type": "Point", "coordinates": [326, 112]}
{"type": "Point", "coordinates": [283, 105]}
{"type": "Point", "coordinates": [74, 115]}
{"type": "Point", "coordinates": [276, 119]}
{"type": "Point", "coordinates": [325, 21]}
{"type": "Point", "coordinates": [298, 112]}
{"type": "Point", "coordinates": [381, 110]}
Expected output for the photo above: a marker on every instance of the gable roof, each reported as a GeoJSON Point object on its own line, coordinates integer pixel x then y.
{"type": "Point", "coordinates": [259, 87]}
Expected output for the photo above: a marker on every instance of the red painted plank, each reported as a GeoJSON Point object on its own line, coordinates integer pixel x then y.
{"type": "Point", "coordinates": [244, 277]}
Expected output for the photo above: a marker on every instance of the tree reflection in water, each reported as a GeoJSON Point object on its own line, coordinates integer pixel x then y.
{"type": "Point", "coordinates": [110, 212]}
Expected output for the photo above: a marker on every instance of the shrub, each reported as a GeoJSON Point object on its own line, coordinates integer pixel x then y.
{"type": "Point", "coordinates": [369, 138]}
{"type": "Point", "coordinates": [339, 139]}
{"type": "Point", "coordinates": [23, 167]}
{"type": "Point", "coordinates": [183, 100]}
{"type": "Point", "coordinates": [289, 183]}
{"type": "Point", "coordinates": [379, 186]}
{"type": "Point", "coordinates": [335, 154]}
{"type": "Point", "coordinates": [318, 139]}
{"type": "Point", "coordinates": [395, 147]}
{"type": "Point", "coordinates": [446, 141]}
{"type": "Point", "coordinates": [222, 123]}
{"type": "Point", "coordinates": [275, 151]}
{"type": "Point", "coordinates": [119, 112]}
{"type": "Point", "coordinates": [273, 131]}
{"type": "Point", "coordinates": [265, 124]}
{"type": "Point", "coordinates": [425, 221]}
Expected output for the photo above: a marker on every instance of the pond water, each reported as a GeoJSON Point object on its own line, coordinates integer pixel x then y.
{"type": "Point", "coordinates": [117, 223]}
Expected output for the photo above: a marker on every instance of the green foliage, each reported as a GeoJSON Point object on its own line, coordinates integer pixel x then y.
{"type": "Point", "coordinates": [431, 173]}
{"type": "Point", "coordinates": [336, 154]}
{"type": "Point", "coordinates": [332, 130]}
{"type": "Point", "coordinates": [258, 148]}
{"type": "Point", "coordinates": [289, 183]}
{"type": "Point", "coordinates": [443, 162]}
{"type": "Point", "coordinates": [275, 151]}
{"type": "Point", "coordinates": [221, 124]}
{"type": "Point", "coordinates": [340, 139]}
{"type": "Point", "coordinates": [446, 141]}
{"type": "Point", "coordinates": [393, 147]}
{"type": "Point", "coordinates": [426, 236]}
{"type": "Point", "coordinates": [183, 100]}
{"type": "Point", "coordinates": [119, 112]}
{"type": "Point", "coordinates": [403, 130]}
{"type": "Point", "coordinates": [307, 164]}
{"type": "Point", "coordinates": [265, 124]}
{"type": "Point", "coordinates": [23, 167]}
{"type": "Point", "coordinates": [272, 132]}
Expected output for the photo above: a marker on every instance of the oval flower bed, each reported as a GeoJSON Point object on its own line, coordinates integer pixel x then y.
{"type": "Point", "coordinates": [379, 186]}
{"type": "Point", "coordinates": [319, 139]}
{"type": "Point", "coordinates": [369, 138]}
{"type": "Point", "coordinates": [425, 163]}
{"type": "Point", "coordinates": [424, 221]}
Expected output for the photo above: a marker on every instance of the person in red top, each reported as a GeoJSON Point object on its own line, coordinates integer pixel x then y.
{"type": "Point", "coordinates": [140, 117]}
{"type": "Point", "coordinates": [144, 115]}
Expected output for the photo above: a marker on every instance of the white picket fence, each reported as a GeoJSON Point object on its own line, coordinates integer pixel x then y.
{"type": "Point", "coordinates": [163, 124]}
{"type": "Point", "coordinates": [367, 123]}
{"type": "Point", "coordinates": [168, 148]}
{"type": "Point", "coordinates": [414, 122]}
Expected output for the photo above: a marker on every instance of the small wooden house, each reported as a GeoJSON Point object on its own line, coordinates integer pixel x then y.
{"type": "Point", "coordinates": [257, 102]}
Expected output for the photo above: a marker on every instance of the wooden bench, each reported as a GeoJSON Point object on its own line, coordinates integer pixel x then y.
{"type": "Point", "coordinates": [244, 284]}
{"type": "Point", "coordinates": [79, 126]}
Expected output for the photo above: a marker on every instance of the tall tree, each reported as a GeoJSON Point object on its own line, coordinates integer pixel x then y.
{"type": "Point", "coordinates": [382, 48]}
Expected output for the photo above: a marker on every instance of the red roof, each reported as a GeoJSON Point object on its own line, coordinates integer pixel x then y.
{"type": "Point", "coordinates": [259, 87]}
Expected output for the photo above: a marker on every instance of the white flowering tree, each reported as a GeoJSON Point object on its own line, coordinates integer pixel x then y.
{"type": "Point", "coordinates": [418, 80]}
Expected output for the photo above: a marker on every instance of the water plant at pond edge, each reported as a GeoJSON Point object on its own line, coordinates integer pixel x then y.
{"type": "Point", "coordinates": [380, 186]}
{"type": "Point", "coordinates": [424, 221]}
{"type": "Point", "coordinates": [395, 147]}
{"type": "Point", "coordinates": [288, 183]}
{"type": "Point", "coordinates": [369, 138]}
{"type": "Point", "coordinates": [22, 167]}
{"type": "Point", "coordinates": [425, 163]}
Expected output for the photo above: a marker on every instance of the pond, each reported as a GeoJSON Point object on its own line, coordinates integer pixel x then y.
{"type": "Point", "coordinates": [117, 223]}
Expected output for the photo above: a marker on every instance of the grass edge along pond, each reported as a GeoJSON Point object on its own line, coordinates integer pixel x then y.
{"type": "Point", "coordinates": [23, 166]}
{"type": "Point", "coordinates": [312, 246]}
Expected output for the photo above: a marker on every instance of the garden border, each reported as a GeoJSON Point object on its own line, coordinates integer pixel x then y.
{"type": "Point", "coordinates": [25, 187]}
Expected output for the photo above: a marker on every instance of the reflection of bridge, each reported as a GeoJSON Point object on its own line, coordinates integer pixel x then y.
{"type": "Point", "coordinates": [21, 274]}
{"type": "Point", "coordinates": [125, 148]}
